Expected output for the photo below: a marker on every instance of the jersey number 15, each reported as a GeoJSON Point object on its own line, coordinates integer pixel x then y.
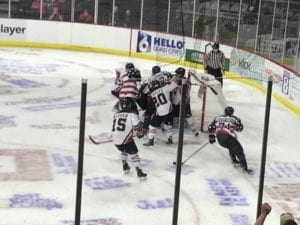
{"type": "Point", "coordinates": [119, 124]}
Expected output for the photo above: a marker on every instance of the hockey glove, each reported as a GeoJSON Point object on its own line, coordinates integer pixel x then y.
{"type": "Point", "coordinates": [212, 138]}
{"type": "Point", "coordinates": [240, 127]}
{"type": "Point", "coordinates": [140, 133]}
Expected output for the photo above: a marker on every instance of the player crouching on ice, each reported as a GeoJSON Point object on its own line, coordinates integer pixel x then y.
{"type": "Point", "coordinates": [124, 123]}
{"type": "Point", "coordinates": [223, 127]}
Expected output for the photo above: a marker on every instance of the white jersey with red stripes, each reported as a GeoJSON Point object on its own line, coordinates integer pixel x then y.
{"type": "Point", "coordinates": [162, 99]}
{"type": "Point", "coordinates": [124, 123]}
{"type": "Point", "coordinates": [128, 88]}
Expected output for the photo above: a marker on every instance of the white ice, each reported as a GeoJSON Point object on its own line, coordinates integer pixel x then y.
{"type": "Point", "coordinates": [39, 119]}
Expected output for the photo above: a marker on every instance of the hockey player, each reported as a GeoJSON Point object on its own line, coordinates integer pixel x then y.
{"type": "Point", "coordinates": [155, 70]}
{"type": "Point", "coordinates": [128, 87]}
{"type": "Point", "coordinates": [160, 92]}
{"type": "Point", "coordinates": [125, 122]}
{"type": "Point", "coordinates": [144, 100]}
{"type": "Point", "coordinates": [119, 80]}
{"type": "Point", "coordinates": [224, 127]}
{"type": "Point", "coordinates": [129, 84]}
{"type": "Point", "coordinates": [176, 97]}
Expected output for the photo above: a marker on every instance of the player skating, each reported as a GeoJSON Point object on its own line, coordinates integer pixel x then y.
{"type": "Point", "coordinates": [125, 122]}
{"type": "Point", "coordinates": [224, 127]}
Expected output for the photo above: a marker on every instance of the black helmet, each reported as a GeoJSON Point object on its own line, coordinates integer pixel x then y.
{"type": "Point", "coordinates": [180, 71]}
{"type": "Point", "coordinates": [126, 104]}
{"type": "Point", "coordinates": [155, 84]}
{"type": "Point", "coordinates": [229, 111]}
{"type": "Point", "coordinates": [129, 66]}
{"type": "Point", "coordinates": [134, 74]}
{"type": "Point", "coordinates": [155, 69]}
{"type": "Point", "coordinates": [216, 45]}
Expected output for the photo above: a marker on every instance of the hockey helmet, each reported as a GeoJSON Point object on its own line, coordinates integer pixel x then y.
{"type": "Point", "coordinates": [167, 74]}
{"type": "Point", "coordinates": [134, 74]}
{"type": "Point", "coordinates": [155, 84]}
{"type": "Point", "coordinates": [155, 69]}
{"type": "Point", "coordinates": [180, 71]}
{"type": "Point", "coordinates": [129, 66]}
{"type": "Point", "coordinates": [126, 104]}
{"type": "Point", "coordinates": [216, 45]}
{"type": "Point", "coordinates": [229, 110]}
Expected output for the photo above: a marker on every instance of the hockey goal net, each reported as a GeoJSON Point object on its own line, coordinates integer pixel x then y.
{"type": "Point", "coordinates": [207, 99]}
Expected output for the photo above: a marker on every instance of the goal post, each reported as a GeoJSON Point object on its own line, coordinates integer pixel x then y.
{"type": "Point", "coordinates": [211, 100]}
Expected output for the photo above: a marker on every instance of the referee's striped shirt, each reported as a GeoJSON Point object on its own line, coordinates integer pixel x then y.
{"type": "Point", "coordinates": [214, 60]}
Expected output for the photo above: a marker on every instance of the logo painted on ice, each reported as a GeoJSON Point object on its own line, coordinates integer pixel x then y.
{"type": "Point", "coordinates": [163, 203]}
{"type": "Point", "coordinates": [240, 219]}
{"type": "Point", "coordinates": [228, 194]}
{"type": "Point", "coordinates": [104, 183]}
{"type": "Point", "coordinates": [20, 66]}
{"type": "Point", "coordinates": [65, 164]}
{"type": "Point", "coordinates": [24, 83]}
{"type": "Point", "coordinates": [144, 42]}
{"type": "Point", "coordinates": [33, 201]}
{"type": "Point", "coordinates": [7, 121]}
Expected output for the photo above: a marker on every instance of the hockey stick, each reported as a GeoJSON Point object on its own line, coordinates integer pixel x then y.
{"type": "Point", "coordinates": [99, 142]}
{"type": "Point", "coordinates": [202, 83]}
{"type": "Point", "coordinates": [174, 163]}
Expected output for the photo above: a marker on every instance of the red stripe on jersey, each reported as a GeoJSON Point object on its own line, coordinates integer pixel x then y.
{"type": "Point", "coordinates": [128, 139]}
{"type": "Point", "coordinates": [226, 132]}
{"type": "Point", "coordinates": [138, 127]}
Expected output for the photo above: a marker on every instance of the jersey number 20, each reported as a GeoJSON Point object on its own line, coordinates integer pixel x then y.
{"type": "Point", "coordinates": [160, 99]}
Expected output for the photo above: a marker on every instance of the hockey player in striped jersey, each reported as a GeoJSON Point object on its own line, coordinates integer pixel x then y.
{"type": "Point", "coordinates": [125, 123]}
{"type": "Point", "coordinates": [120, 74]}
{"type": "Point", "coordinates": [224, 127]}
{"type": "Point", "coordinates": [128, 84]}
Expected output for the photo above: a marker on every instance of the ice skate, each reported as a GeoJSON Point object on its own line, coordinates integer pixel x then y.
{"type": "Point", "coordinates": [149, 143]}
{"type": "Point", "coordinates": [195, 132]}
{"type": "Point", "coordinates": [126, 167]}
{"type": "Point", "coordinates": [140, 174]}
{"type": "Point", "coordinates": [249, 171]}
{"type": "Point", "coordinates": [170, 141]}
{"type": "Point", "coordinates": [235, 163]}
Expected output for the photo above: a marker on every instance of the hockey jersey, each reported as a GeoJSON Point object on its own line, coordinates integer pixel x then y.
{"type": "Point", "coordinates": [162, 99]}
{"type": "Point", "coordinates": [226, 124]}
{"type": "Point", "coordinates": [176, 96]}
{"type": "Point", "coordinates": [124, 123]}
{"type": "Point", "coordinates": [128, 88]}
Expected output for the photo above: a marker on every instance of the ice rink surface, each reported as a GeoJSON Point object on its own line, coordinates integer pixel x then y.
{"type": "Point", "coordinates": [39, 119]}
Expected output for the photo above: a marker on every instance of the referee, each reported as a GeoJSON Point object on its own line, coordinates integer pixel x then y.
{"type": "Point", "coordinates": [214, 62]}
